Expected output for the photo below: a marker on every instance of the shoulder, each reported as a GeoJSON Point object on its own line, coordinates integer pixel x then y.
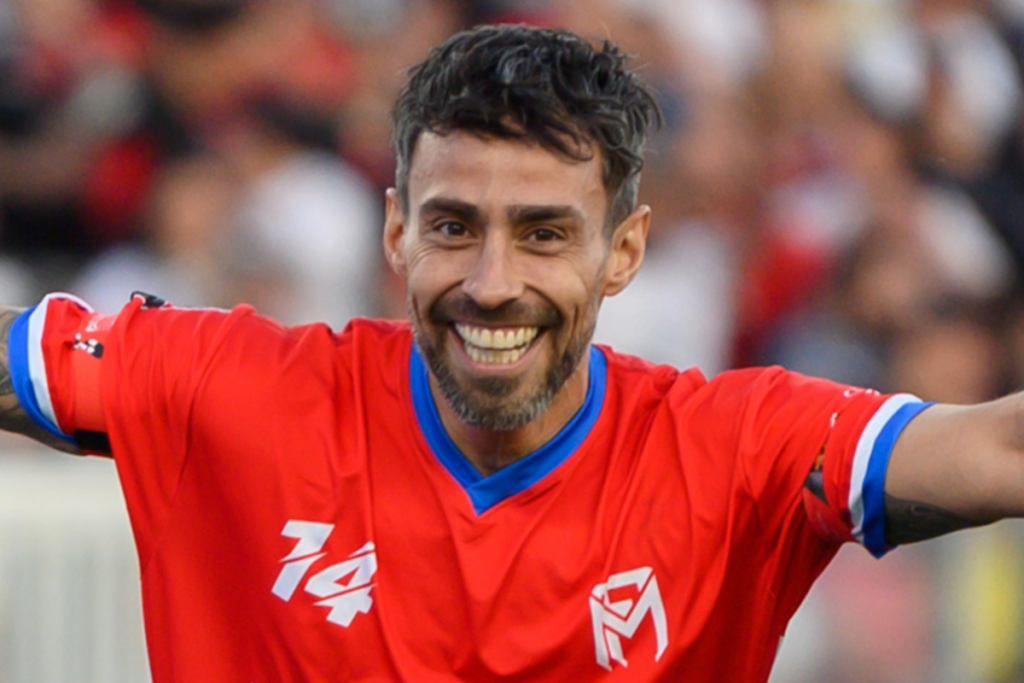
{"type": "Point", "coordinates": [378, 328]}
{"type": "Point", "coordinates": [729, 395]}
{"type": "Point", "coordinates": [769, 385]}
{"type": "Point", "coordinates": [741, 385]}
{"type": "Point", "coordinates": [635, 380]}
{"type": "Point", "coordinates": [376, 337]}
{"type": "Point", "coordinates": [243, 322]}
{"type": "Point", "coordinates": [634, 372]}
{"type": "Point", "coordinates": [240, 342]}
{"type": "Point", "coordinates": [374, 353]}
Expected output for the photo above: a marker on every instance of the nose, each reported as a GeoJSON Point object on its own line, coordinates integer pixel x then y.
{"type": "Point", "coordinates": [492, 280]}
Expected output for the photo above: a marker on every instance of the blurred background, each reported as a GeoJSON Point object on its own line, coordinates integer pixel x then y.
{"type": "Point", "coordinates": [839, 188]}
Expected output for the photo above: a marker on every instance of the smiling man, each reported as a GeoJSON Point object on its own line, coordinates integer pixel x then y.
{"type": "Point", "coordinates": [503, 246]}
{"type": "Point", "coordinates": [481, 494]}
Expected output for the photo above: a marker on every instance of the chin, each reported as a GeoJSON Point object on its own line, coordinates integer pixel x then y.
{"type": "Point", "coordinates": [500, 419]}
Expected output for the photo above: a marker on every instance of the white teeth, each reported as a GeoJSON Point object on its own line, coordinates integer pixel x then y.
{"type": "Point", "coordinates": [496, 346]}
{"type": "Point", "coordinates": [494, 357]}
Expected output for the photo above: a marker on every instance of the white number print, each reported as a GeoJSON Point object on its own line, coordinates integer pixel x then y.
{"type": "Point", "coordinates": [613, 621]}
{"type": "Point", "coordinates": [345, 587]}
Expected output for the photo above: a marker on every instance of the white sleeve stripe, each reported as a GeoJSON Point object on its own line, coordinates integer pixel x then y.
{"type": "Point", "coordinates": [862, 456]}
{"type": "Point", "coordinates": [36, 366]}
{"type": "Point", "coordinates": [36, 363]}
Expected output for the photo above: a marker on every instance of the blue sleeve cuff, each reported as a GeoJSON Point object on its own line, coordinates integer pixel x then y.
{"type": "Point", "coordinates": [874, 480]}
{"type": "Point", "coordinates": [18, 355]}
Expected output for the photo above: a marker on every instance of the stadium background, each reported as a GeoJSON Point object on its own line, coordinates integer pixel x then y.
{"type": "Point", "coordinates": [839, 188]}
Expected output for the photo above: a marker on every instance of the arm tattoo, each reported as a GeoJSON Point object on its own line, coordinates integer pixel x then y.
{"type": "Point", "coordinates": [908, 521]}
{"type": "Point", "coordinates": [12, 417]}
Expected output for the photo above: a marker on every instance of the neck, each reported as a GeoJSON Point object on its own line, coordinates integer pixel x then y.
{"type": "Point", "coordinates": [490, 450]}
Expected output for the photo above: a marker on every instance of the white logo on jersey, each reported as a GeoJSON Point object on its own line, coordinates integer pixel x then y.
{"type": "Point", "coordinates": [346, 598]}
{"type": "Point", "coordinates": [621, 619]}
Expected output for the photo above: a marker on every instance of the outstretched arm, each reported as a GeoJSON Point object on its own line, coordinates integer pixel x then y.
{"type": "Point", "coordinates": [13, 417]}
{"type": "Point", "coordinates": [955, 467]}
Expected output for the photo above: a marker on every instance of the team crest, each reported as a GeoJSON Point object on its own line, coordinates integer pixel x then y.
{"type": "Point", "coordinates": [619, 607]}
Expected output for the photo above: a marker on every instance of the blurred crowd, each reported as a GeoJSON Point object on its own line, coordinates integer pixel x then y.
{"type": "Point", "coordinates": [839, 188]}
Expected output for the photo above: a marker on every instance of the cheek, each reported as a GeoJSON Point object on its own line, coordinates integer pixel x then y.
{"type": "Point", "coordinates": [575, 297]}
{"type": "Point", "coordinates": [427, 277]}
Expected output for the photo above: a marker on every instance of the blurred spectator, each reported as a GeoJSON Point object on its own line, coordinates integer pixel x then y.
{"type": "Point", "coordinates": [701, 182]}
{"type": "Point", "coordinates": [681, 308]}
{"type": "Point", "coordinates": [385, 38]}
{"type": "Point", "coordinates": [186, 218]}
{"type": "Point", "coordinates": [305, 238]}
{"type": "Point", "coordinates": [65, 90]}
{"type": "Point", "coordinates": [262, 210]}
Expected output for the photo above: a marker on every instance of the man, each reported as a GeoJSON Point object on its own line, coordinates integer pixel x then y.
{"type": "Point", "coordinates": [479, 494]}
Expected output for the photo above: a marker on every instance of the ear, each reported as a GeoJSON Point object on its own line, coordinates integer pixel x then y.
{"type": "Point", "coordinates": [628, 244]}
{"type": "Point", "coordinates": [394, 231]}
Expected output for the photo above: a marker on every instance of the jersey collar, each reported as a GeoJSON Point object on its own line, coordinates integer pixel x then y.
{"type": "Point", "coordinates": [486, 492]}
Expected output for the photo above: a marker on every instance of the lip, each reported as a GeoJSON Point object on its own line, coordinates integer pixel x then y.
{"type": "Point", "coordinates": [480, 368]}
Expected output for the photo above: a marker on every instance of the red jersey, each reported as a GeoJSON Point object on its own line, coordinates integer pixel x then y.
{"type": "Point", "coordinates": [301, 514]}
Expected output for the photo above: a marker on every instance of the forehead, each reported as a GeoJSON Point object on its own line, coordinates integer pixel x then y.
{"type": "Point", "coordinates": [494, 172]}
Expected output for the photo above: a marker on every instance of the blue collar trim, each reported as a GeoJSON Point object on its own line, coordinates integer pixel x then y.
{"type": "Point", "coordinates": [486, 492]}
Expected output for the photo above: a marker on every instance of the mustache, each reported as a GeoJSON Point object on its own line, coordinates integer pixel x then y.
{"type": "Point", "coordinates": [461, 308]}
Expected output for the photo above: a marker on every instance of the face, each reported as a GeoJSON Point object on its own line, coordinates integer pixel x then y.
{"type": "Point", "coordinates": [506, 261]}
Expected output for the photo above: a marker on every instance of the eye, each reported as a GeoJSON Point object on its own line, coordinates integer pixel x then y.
{"type": "Point", "coordinates": [451, 229]}
{"type": "Point", "coordinates": [542, 234]}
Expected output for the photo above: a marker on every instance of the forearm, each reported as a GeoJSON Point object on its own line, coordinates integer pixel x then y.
{"type": "Point", "coordinates": [956, 467]}
{"type": "Point", "coordinates": [909, 521]}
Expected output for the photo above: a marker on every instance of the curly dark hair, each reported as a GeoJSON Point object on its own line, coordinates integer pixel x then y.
{"type": "Point", "coordinates": [548, 86]}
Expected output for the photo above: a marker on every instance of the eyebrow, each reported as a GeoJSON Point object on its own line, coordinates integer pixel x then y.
{"type": "Point", "coordinates": [469, 213]}
{"type": "Point", "coordinates": [534, 214]}
{"type": "Point", "coordinates": [517, 214]}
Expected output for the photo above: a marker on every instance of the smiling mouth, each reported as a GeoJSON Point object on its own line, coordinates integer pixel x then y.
{"type": "Point", "coordinates": [496, 346]}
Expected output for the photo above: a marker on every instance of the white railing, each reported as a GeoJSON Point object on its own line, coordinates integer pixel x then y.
{"type": "Point", "coordinates": [69, 580]}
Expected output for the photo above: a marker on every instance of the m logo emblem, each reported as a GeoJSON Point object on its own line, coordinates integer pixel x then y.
{"type": "Point", "coordinates": [616, 617]}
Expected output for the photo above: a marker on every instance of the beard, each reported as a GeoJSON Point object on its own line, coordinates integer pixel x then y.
{"type": "Point", "coordinates": [497, 403]}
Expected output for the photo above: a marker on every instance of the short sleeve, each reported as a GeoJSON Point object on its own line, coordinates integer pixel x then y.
{"type": "Point", "coordinates": [126, 385]}
{"type": "Point", "coordinates": [169, 390]}
{"type": "Point", "coordinates": [54, 354]}
{"type": "Point", "coordinates": [158, 362]}
{"type": "Point", "coordinates": [815, 448]}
